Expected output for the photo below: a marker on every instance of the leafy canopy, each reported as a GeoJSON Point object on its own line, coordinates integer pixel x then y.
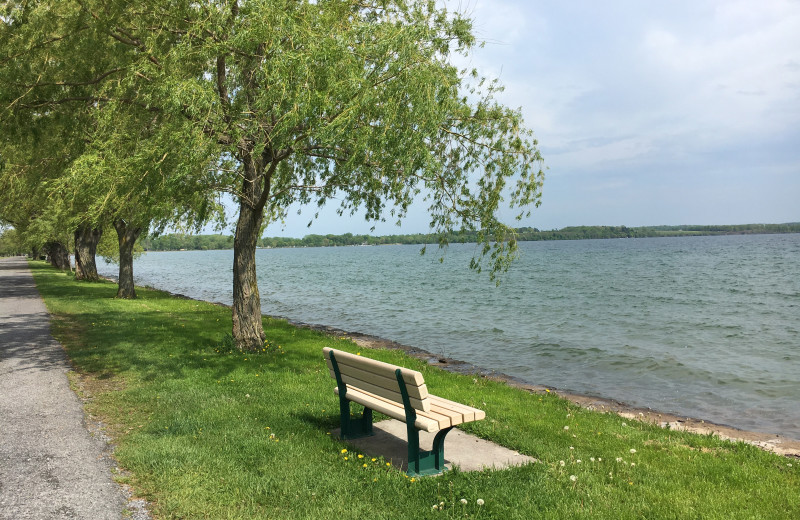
{"type": "Point", "coordinates": [291, 101]}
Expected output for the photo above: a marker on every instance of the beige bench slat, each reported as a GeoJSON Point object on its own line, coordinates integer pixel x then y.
{"type": "Point", "coordinates": [393, 395]}
{"type": "Point", "coordinates": [389, 408]}
{"type": "Point", "coordinates": [443, 417]}
{"type": "Point", "coordinates": [443, 420]}
{"type": "Point", "coordinates": [455, 417]}
{"type": "Point", "coordinates": [470, 413]}
{"type": "Point", "coordinates": [409, 376]}
{"type": "Point", "coordinates": [382, 380]}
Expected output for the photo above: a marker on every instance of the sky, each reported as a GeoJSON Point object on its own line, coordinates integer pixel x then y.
{"type": "Point", "coordinates": [647, 113]}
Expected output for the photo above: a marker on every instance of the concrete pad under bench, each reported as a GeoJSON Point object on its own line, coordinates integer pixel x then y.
{"type": "Point", "coordinates": [468, 452]}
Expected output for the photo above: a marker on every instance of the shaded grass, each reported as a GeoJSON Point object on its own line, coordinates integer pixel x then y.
{"type": "Point", "coordinates": [207, 432]}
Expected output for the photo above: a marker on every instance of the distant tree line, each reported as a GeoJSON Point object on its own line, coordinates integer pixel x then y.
{"type": "Point", "coordinates": [596, 232]}
{"type": "Point", "coordinates": [176, 242]}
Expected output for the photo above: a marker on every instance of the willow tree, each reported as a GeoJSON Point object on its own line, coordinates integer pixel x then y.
{"type": "Point", "coordinates": [44, 138]}
{"type": "Point", "coordinates": [128, 176]}
{"type": "Point", "coordinates": [25, 200]}
{"type": "Point", "coordinates": [357, 102]}
{"type": "Point", "coordinates": [31, 196]}
{"type": "Point", "coordinates": [65, 99]}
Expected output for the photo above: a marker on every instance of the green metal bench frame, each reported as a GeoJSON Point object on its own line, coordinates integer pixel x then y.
{"type": "Point", "coordinates": [420, 462]}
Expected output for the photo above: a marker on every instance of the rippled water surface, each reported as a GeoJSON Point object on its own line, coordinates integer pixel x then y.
{"type": "Point", "coordinates": [704, 327]}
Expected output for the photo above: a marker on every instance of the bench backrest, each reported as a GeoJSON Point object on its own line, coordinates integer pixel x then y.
{"type": "Point", "coordinates": [379, 378]}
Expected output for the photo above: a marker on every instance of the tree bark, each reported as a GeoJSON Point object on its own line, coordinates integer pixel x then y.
{"type": "Point", "coordinates": [86, 239]}
{"type": "Point", "coordinates": [127, 235]}
{"type": "Point", "coordinates": [248, 331]}
{"type": "Point", "coordinates": [58, 255]}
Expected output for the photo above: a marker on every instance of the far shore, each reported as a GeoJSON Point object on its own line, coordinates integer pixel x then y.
{"type": "Point", "coordinates": [775, 443]}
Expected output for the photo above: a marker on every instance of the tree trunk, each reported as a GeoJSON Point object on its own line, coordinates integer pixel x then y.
{"type": "Point", "coordinates": [58, 255]}
{"type": "Point", "coordinates": [127, 236]}
{"type": "Point", "coordinates": [248, 332]}
{"type": "Point", "coordinates": [86, 240]}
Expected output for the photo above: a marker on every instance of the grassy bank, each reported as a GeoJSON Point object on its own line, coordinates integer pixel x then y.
{"type": "Point", "coordinates": [206, 432]}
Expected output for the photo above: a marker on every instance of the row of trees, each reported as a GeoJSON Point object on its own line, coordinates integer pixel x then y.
{"type": "Point", "coordinates": [133, 116]}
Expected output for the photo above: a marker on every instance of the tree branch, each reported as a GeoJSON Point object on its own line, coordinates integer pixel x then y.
{"type": "Point", "coordinates": [94, 81]}
{"type": "Point", "coordinates": [88, 99]}
{"type": "Point", "coordinates": [42, 44]}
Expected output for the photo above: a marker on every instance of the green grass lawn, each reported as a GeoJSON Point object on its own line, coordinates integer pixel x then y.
{"type": "Point", "coordinates": [206, 432]}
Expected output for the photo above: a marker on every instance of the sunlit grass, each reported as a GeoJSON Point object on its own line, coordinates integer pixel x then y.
{"type": "Point", "coordinates": [205, 431]}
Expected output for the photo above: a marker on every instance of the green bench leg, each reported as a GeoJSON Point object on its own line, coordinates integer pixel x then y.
{"type": "Point", "coordinates": [354, 428]}
{"type": "Point", "coordinates": [422, 462]}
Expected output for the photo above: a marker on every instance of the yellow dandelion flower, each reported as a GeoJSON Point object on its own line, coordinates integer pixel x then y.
{"type": "Point", "coordinates": [344, 450]}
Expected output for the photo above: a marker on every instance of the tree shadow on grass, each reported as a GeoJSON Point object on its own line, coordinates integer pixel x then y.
{"type": "Point", "coordinates": [74, 289]}
{"type": "Point", "coordinates": [159, 336]}
{"type": "Point", "coordinates": [147, 343]}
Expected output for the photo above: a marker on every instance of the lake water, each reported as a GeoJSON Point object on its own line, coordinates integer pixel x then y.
{"type": "Point", "coordinates": [705, 327]}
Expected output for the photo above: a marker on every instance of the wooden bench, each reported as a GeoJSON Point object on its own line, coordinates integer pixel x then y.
{"type": "Point", "coordinates": [401, 394]}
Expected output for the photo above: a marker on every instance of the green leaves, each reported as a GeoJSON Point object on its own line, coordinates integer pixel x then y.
{"type": "Point", "coordinates": [272, 101]}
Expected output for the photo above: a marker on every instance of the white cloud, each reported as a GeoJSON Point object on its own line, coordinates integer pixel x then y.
{"type": "Point", "coordinates": [669, 94]}
{"type": "Point", "coordinates": [734, 77]}
{"type": "Point", "coordinates": [677, 112]}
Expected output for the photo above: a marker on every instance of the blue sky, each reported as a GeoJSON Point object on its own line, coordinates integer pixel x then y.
{"type": "Point", "coordinates": [647, 113]}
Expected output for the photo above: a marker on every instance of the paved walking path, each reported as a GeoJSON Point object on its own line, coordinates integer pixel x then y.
{"type": "Point", "coordinates": [50, 466]}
